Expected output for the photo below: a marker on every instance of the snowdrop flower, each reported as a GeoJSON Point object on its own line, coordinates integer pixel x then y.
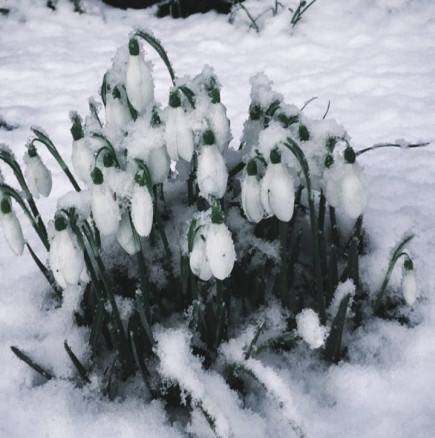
{"type": "Point", "coordinates": [125, 235]}
{"type": "Point", "coordinates": [251, 199]}
{"type": "Point", "coordinates": [409, 282]}
{"type": "Point", "coordinates": [11, 227]}
{"type": "Point", "coordinates": [277, 189]}
{"type": "Point", "coordinates": [66, 257]}
{"type": "Point", "coordinates": [159, 164]}
{"type": "Point", "coordinates": [212, 174]}
{"type": "Point", "coordinates": [219, 246]}
{"type": "Point", "coordinates": [117, 112]}
{"type": "Point", "coordinates": [353, 193]}
{"type": "Point", "coordinates": [219, 122]}
{"type": "Point", "coordinates": [105, 209]}
{"type": "Point", "coordinates": [310, 329]}
{"type": "Point", "coordinates": [198, 260]}
{"type": "Point", "coordinates": [37, 175]}
{"type": "Point", "coordinates": [139, 80]}
{"type": "Point", "coordinates": [82, 157]}
{"type": "Point", "coordinates": [141, 207]}
{"type": "Point", "coordinates": [178, 134]}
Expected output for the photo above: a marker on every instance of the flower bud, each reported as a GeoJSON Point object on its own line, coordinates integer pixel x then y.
{"type": "Point", "coordinates": [66, 258]}
{"type": "Point", "coordinates": [105, 209]}
{"type": "Point", "coordinates": [212, 174]}
{"type": "Point", "coordinates": [277, 189]}
{"type": "Point", "coordinates": [11, 227]}
{"type": "Point", "coordinates": [139, 80]}
{"type": "Point", "coordinates": [117, 112]}
{"type": "Point", "coordinates": [353, 193]}
{"type": "Point", "coordinates": [219, 123]}
{"type": "Point", "coordinates": [251, 199]}
{"type": "Point", "coordinates": [37, 175]}
{"type": "Point", "coordinates": [409, 282]}
{"type": "Point", "coordinates": [178, 134]}
{"type": "Point", "coordinates": [142, 210]}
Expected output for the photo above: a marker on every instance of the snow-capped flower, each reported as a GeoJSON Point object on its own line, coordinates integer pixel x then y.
{"type": "Point", "coordinates": [353, 192]}
{"type": "Point", "coordinates": [212, 174]}
{"type": "Point", "coordinates": [141, 208]}
{"type": "Point", "coordinates": [277, 189]}
{"type": "Point", "coordinates": [310, 329]}
{"type": "Point", "coordinates": [139, 80]}
{"type": "Point", "coordinates": [37, 175]}
{"type": "Point", "coordinates": [82, 156]}
{"type": "Point", "coordinates": [178, 134]}
{"type": "Point", "coordinates": [198, 260]}
{"type": "Point", "coordinates": [125, 236]}
{"type": "Point", "coordinates": [117, 111]}
{"type": "Point", "coordinates": [66, 257]}
{"type": "Point", "coordinates": [219, 122]}
{"type": "Point", "coordinates": [11, 227]}
{"type": "Point", "coordinates": [409, 282]}
{"type": "Point", "coordinates": [105, 209]}
{"type": "Point", "coordinates": [219, 246]}
{"type": "Point", "coordinates": [251, 199]}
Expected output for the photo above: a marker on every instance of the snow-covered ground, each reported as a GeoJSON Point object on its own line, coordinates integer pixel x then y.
{"type": "Point", "coordinates": [374, 60]}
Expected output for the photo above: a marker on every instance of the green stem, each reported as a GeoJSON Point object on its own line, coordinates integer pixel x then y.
{"type": "Point", "coordinates": [283, 282]}
{"type": "Point", "coordinates": [318, 282]}
{"type": "Point", "coordinates": [391, 145]}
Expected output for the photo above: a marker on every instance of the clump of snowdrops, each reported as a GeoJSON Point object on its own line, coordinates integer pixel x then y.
{"type": "Point", "coordinates": [187, 251]}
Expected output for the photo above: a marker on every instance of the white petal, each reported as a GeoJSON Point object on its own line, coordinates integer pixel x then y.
{"type": "Point", "coordinates": [264, 192]}
{"type": "Point", "coordinates": [142, 210]}
{"type": "Point", "coordinates": [409, 286]}
{"type": "Point", "coordinates": [220, 125]}
{"type": "Point", "coordinates": [354, 197]}
{"type": "Point", "coordinates": [212, 172]}
{"type": "Point", "coordinates": [251, 200]}
{"type": "Point", "coordinates": [125, 236]}
{"type": "Point", "coordinates": [12, 232]}
{"type": "Point", "coordinates": [178, 135]}
{"type": "Point", "coordinates": [105, 209]}
{"type": "Point", "coordinates": [82, 159]}
{"type": "Point", "coordinates": [41, 175]}
{"type": "Point", "coordinates": [139, 83]}
{"type": "Point", "coordinates": [159, 164]}
{"type": "Point", "coordinates": [117, 113]}
{"type": "Point", "coordinates": [310, 329]}
{"type": "Point", "coordinates": [198, 259]}
{"type": "Point", "coordinates": [281, 193]}
{"type": "Point", "coordinates": [66, 258]}
{"type": "Point", "coordinates": [220, 251]}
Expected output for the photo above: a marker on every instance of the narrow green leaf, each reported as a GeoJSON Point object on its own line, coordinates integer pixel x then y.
{"type": "Point", "coordinates": [97, 324]}
{"type": "Point", "coordinates": [333, 343]}
{"type": "Point", "coordinates": [31, 363]}
{"type": "Point", "coordinates": [190, 95]}
{"type": "Point", "coordinates": [80, 368]}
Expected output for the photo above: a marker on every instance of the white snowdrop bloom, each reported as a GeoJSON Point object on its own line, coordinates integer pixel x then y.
{"type": "Point", "coordinates": [125, 236]}
{"type": "Point", "coordinates": [139, 80]}
{"type": "Point", "coordinates": [198, 260]}
{"type": "Point", "coordinates": [37, 175]}
{"type": "Point", "coordinates": [117, 111]}
{"type": "Point", "coordinates": [178, 134]}
{"type": "Point", "coordinates": [219, 122]}
{"type": "Point", "coordinates": [142, 210]}
{"type": "Point", "coordinates": [277, 189]}
{"type": "Point", "coordinates": [310, 329]}
{"type": "Point", "coordinates": [105, 209]}
{"type": "Point", "coordinates": [11, 227]}
{"type": "Point", "coordinates": [353, 192]}
{"type": "Point", "coordinates": [331, 183]}
{"type": "Point", "coordinates": [66, 257]}
{"type": "Point", "coordinates": [219, 247]}
{"type": "Point", "coordinates": [409, 283]}
{"type": "Point", "coordinates": [251, 199]}
{"type": "Point", "coordinates": [212, 174]}
{"type": "Point", "coordinates": [82, 156]}
{"type": "Point", "coordinates": [159, 164]}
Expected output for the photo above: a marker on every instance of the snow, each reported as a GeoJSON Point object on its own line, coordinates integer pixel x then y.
{"type": "Point", "coordinates": [375, 62]}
